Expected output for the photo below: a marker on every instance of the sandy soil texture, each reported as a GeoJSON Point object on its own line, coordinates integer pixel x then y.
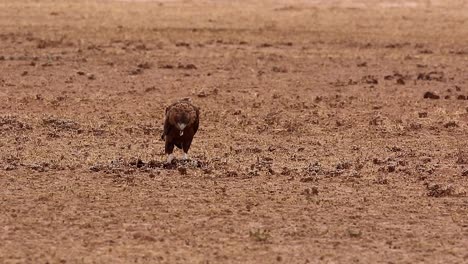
{"type": "Point", "coordinates": [331, 131]}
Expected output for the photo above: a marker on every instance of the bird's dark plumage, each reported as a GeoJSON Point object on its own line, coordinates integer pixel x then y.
{"type": "Point", "coordinates": [180, 126]}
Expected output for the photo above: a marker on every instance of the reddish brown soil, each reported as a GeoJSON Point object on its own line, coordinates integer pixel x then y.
{"type": "Point", "coordinates": [331, 132]}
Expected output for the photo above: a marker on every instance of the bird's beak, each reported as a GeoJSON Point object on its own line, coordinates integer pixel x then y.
{"type": "Point", "coordinates": [181, 128]}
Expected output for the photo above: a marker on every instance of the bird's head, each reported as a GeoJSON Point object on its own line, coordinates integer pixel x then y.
{"type": "Point", "coordinates": [182, 120]}
{"type": "Point", "coordinates": [182, 115]}
{"type": "Point", "coordinates": [181, 126]}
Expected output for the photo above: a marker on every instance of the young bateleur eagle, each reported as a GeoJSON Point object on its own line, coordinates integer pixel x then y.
{"type": "Point", "coordinates": [180, 125]}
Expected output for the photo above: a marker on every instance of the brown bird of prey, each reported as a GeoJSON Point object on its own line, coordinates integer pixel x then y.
{"type": "Point", "coordinates": [180, 125]}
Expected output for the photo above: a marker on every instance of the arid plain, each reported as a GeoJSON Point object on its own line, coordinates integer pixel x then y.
{"type": "Point", "coordinates": [331, 131]}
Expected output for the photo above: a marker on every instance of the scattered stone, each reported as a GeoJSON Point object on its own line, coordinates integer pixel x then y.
{"type": "Point", "coordinates": [426, 51]}
{"type": "Point", "coordinates": [170, 166]}
{"type": "Point", "coordinates": [461, 97]}
{"type": "Point", "coordinates": [182, 170]}
{"type": "Point", "coordinates": [182, 44]}
{"type": "Point", "coordinates": [308, 179]}
{"type": "Point", "coordinates": [265, 45]}
{"type": "Point", "coordinates": [310, 191]}
{"type": "Point", "coordinates": [136, 71]}
{"type": "Point", "coordinates": [141, 47]}
{"type": "Point", "coordinates": [61, 124]}
{"type": "Point", "coordinates": [465, 173]}
{"type": "Point", "coordinates": [400, 81]}
{"type": "Point", "coordinates": [231, 174]}
{"type": "Point", "coordinates": [381, 180]}
{"type": "Point", "coordinates": [95, 168]}
{"type": "Point", "coordinates": [187, 66]}
{"type": "Point", "coordinates": [450, 124]}
{"type": "Point", "coordinates": [9, 167]}
{"type": "Point", "coordinates": [431, 76]}
{"type": "Point", "coordinates": [166, 66]}
{"type": "Point", "coordinates": [422, 114]}
{"type": "Point", "coordinates": [137, 163]}
{"type": "Point", "coordinates": [155, 164]}
{"type": "Point", "coordinates": [144, 65]}
{"type": "Point", "coordinates": [369, 79]}
{"type": "Point", "coordinates": [150, 89]}
{"type": "Point", "coordinates": [202, 94]}
{"type": "Point", "coordinates": [144, 237]}
{"type": "Point", "coordinates": [431, 95]}
{"type": "Point", "coordinates": [437, 190]}
{"type": "Point", "coordinates": [279, 69]}
{"type": "Point", "coordinates": [354, 232]}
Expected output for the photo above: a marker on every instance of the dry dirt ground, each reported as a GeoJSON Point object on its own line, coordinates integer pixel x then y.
{"type": "Point", "coordinates": [331, 131]}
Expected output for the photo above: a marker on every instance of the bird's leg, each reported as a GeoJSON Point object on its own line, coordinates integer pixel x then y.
{"type": "Point", "coordinates": [186, 147]}
{"type": "Point", "coordinates": [170, 157]}
{"type": "Point", "coordinates": [169, 148]}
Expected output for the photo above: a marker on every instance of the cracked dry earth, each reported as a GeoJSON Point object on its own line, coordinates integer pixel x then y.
{"type": "Point", "coordinates": [331, 132]}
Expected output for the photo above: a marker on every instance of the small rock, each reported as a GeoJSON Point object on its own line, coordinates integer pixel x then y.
{"type": "Point", "coordinates": [451, 124]}
{"type": "Point", "coordinates": [279, 69]}
{"type": "Point", "coordinates": [231, 174]}
{"type": "Point", "coordinates": [202, 94]}
{"type": "Point", "coordinates": [354, 232]}
{"type": "Point", "coordinates": [166, 66]}
{"type": "Point", "coordinates": [207, 171]}
{"type": "Point", "coordinates": [310, 191]}
{"type": "Point", "coordinates": [95, 168]}
{"type": "Point", "coordinates": [369, 79]}
{"type": "Point", "coordinates": [436, 76]}
{"type": "Point", "coordinates": [182, 44]}
{"type": "Point", "coordinates": [265, 45]}
{"type": "Point", "coordinates": [136, 71]}
{"type": "Point", "coordinates": [144, 65]}
{"type": "Point", "coordinates": [137, 163]}
{"type": "Point", "coordinates": [9, 167]}
{"type": "Point", "coordinates": [307, 179]}
{"type": "Point", "coordinates": [142, 236]}
{"type": "Point", "coordinates": [189, 66]}
{"type": "Point", "coordinates": [400, 81]}
{"type": "Point", "coordinates": [362, 64]}
{"type": "Point", "coordinates": [437, 190]}
{"type": "Point", "coordinates": [465, 173]}
{"type": "Point", "coordinates": [431, 95]}
{"type": "Point", "coordinates": [182, 170]}
{"type": "Point", "coordinates": [422, 114]}
{"type": "Point", "coordinates": [461, 97]}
